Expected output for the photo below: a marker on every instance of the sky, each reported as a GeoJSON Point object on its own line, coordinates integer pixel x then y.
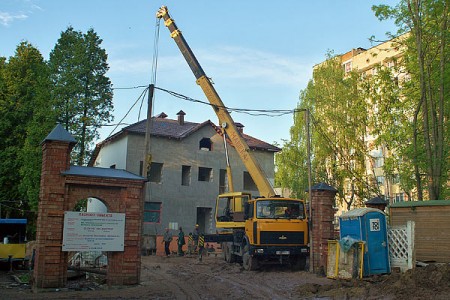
{"type": "Point", "coordinates": [258, 53]}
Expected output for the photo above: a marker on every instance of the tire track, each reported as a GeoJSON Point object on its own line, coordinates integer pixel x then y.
{"type": "Point", "coordinates": [167, 278]}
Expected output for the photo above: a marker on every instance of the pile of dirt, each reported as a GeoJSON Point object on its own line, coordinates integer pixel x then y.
{"type": "Point", "coordinates": [430, 282]}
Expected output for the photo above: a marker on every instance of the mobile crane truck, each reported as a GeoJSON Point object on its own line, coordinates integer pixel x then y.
{"type": "Point", "coordinates": [267, 229]}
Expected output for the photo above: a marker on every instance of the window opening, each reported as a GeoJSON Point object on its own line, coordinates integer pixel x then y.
{"type": "Point", "coordinates": [347, 66]}
{"type": "Point", "coordinates": [155, 172]}
{"type": "Point", "coordinates": [204, 174]}
{"type": "Point", "coordinates": [223, 182]}
{"type": "Point", "coordinates": [152, 212]}
{"type": "Point", "coordinates": [205, 144]}
{"type": "Point", "coordinates": [399, 197]}
{"type": "Point", "coordinates": [186, 175]}
{"type": "Point", "coordinates": [379, 162]}
{"type": "Point", "coordinates": [249, 184]}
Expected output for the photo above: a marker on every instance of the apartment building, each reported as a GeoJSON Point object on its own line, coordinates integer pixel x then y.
{"type": "Point", "coordinates": [367, 62]}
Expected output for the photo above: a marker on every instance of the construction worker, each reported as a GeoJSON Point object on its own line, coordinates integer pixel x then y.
{"type": "Point", "coordinates": [167, 238]}
{"type": "Point", "coordinates": [180, 242]}
{"type": "Point", "coordinates": [191, 244]}
{"type": "Point", "coordinates": [195, 235]}
{"type": "Point", "coordinates": [201, 246]}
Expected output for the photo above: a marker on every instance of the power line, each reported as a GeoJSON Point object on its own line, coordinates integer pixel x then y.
{"type": "Point", "coordinates": [253, 112]}
{"type": "Point", "coordinates": [130, 88]}
{"type": "Point", "coordinates": [129, 110]}
{"type": "Point", "coordinates": [115, 124]}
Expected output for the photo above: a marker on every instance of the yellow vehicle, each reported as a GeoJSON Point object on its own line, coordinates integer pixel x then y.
{"type": "Point", "coordinates": [254, 231]}
{"type": "Point", "coordinates": [13, 240]}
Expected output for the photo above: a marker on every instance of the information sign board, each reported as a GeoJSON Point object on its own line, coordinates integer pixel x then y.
{"type": "Point", "coordinates": [93, 231]}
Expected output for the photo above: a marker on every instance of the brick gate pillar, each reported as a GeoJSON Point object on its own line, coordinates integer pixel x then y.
{"type": "Point", "coordinates": [322, 228]}
{"type": "Point", "coordinates": [50, 269]}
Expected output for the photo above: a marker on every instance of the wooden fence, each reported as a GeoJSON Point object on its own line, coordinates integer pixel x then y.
{"type": "Point", "coordinates": [432, 227]}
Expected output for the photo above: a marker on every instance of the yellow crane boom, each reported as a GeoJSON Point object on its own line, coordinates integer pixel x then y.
{"type": "Point", "coordinates": [252, 165]}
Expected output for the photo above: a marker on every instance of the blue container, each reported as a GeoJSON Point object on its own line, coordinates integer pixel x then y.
{"type": "Point", "coordinates": [368, 225]}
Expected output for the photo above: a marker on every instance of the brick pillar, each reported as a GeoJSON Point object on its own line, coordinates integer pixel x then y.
{"type": "Point", "coordinates": [124, 268]}
{"type": "Point", "coordinates": [50, 267]}
{"type": "Point", "coordinates": [322, 229]}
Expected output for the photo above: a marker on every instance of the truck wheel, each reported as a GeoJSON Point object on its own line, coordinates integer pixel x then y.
{"type": "Point", "coordinates": [298, 263]}
{"type": "Point", "coordinates": [225, 252]}
{"type": "Point", "coordinates": [229, 257]}
{"type": "Point", "coordinates": [249, 262]}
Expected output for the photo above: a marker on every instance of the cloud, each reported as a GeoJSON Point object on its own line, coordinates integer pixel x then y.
{"type": "Point", "coordinates": [228, 63]}
{"type": "Point", "coordinates": [36, 7]}
{"type": "Point", "coordinates": [6, 18]}
{"type": "Point", "coordinates": [130, 66]}
{"type": "Point", "coordinates": [249, 64]}
{"type": "Point", "coordinates": [24, 10]}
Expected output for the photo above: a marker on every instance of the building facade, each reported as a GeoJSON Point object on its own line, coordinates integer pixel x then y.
{"type": "Point", "coordinates": [367, 63]}
{"type": "Point", "coordinates": [187, 169]}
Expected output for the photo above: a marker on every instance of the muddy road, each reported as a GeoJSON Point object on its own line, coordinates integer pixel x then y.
{"type": "Point", "coordinates": [187, 278]}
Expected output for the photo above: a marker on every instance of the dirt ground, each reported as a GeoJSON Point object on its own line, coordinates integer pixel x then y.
{"type": "Point", "coordinates": [187, 278]}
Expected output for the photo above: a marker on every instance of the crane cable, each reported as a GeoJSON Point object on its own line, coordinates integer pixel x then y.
{"type": "Point", "coordinates": [154, 63]}
{"type": "Point", "coordinates": [153, 76]}
{"type": "Point", "coordinates": [155, 50]}
{"type": "Point", "coordinates": [142, 96]}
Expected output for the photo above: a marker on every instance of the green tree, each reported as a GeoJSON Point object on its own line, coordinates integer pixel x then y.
{"type": "Point", "coordinates": [21, 95]}
{"type": "Point", "coordinates": [291, 163]}
{"type": "Point", "coordinates": [39, 126]}
{"type": "Point", "coordinates": [389, 123]}
{"type": "Point", "coordinates": [82, 92]}
{"type": "Point", "coordinates": [340, 123]}
{"type": "Point", "coordinates": [339, 120]}
{"type": "Point", "coordinates": [426, 60]}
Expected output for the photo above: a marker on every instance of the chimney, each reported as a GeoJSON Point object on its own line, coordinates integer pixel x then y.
{"type": "Point", "coordinates": [181, 115]}
{"type": "Point", "coordinates": [161, 116]}
{"type": "Point", "coordinates": [240, 127]}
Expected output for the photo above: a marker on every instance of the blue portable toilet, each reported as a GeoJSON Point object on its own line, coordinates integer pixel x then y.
{"type": "Point", "coordinates": [368, 225]}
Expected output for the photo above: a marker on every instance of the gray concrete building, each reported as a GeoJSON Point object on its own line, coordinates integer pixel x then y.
{"type": "Point", "coordinates": [188, 169]}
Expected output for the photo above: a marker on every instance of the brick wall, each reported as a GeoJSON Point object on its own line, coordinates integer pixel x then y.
{"type": "Point", "coordinates": [322, 226]}
{"type": "Point", "coordinates": [60, 193]}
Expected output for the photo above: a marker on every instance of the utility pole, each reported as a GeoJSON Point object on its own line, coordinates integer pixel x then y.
{"type": "Point", "coordinates": [147, 157]}
{"type": "Point", "coordinates": [148, 127]}
{"type": "Point", "coordinates": [308, 164]}
{"type": "Point", "coordinates": [308, 151]}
